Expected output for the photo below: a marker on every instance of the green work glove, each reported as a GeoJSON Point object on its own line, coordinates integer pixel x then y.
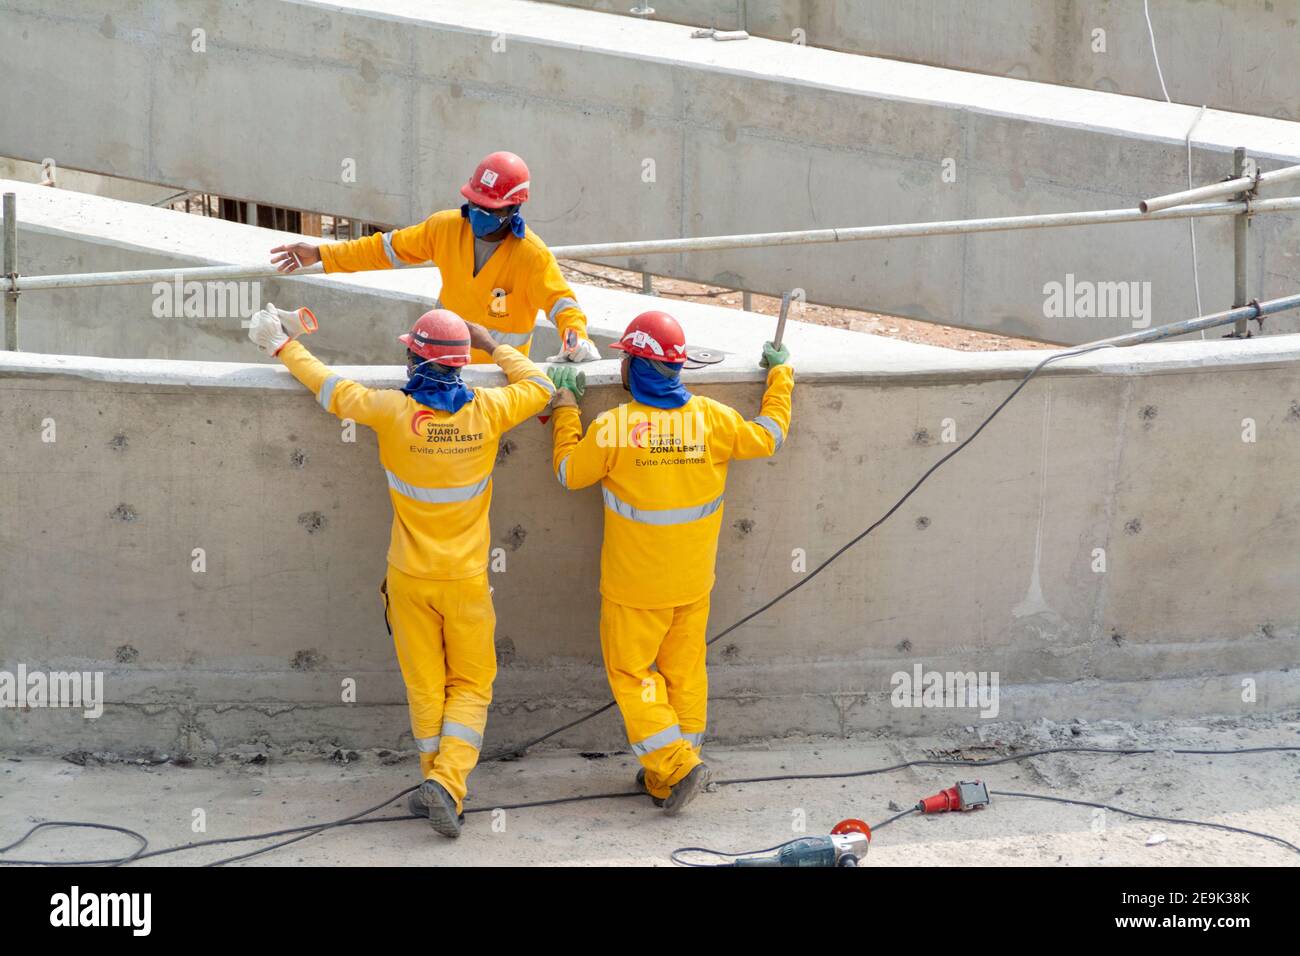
{"type": "Point", "coordinates": [566, 376]}
{"type": "Point", "coordinates": [772, 356]}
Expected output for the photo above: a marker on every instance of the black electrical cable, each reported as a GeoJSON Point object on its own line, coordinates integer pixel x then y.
{"type": "Point", "coordinates": [1146, 816]}
{"type": "Point", "coordinates": [355, 819]}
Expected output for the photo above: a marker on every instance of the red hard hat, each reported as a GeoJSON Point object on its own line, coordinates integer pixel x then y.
{"type": "Point", "coordinates": [500, 180]}
{"type": "Point", "coordinates": [654, 335]}
{"type": "Point", "coordinates": [440, 335]}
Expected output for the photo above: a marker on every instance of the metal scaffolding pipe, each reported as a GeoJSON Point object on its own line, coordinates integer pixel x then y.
{"type": "Point", "coordinates": [1229, 187]}
{"type": "Point", "coordinates": [1255, 310]}
{"type": "Point", "coordinates": [952, 227]}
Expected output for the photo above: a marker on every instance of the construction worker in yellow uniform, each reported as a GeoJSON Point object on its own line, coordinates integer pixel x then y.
{"type": "Point", "coordinates": [495, 270]}
{"type": "Point", "coordinates": [438, 442]}
{"type": "Point", "coordinates": [662, 463]}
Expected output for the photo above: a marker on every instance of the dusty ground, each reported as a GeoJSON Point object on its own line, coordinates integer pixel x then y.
{"type": "Point", "coordinates": [907, 330]}
{"type": "Point", "coordinates": [255, 792]}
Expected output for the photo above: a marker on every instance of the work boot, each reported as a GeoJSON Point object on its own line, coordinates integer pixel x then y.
{"type": "Point", "coordinates": [687, 788]}
{"type": "Point", "coordinates": [432, 801]}
{"type": "Point", "coordinates": [640, 782]}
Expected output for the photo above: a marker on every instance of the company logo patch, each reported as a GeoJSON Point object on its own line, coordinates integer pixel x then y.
{"type": "Point", "coordinates": [489, 178]}
{"type": "Point", "coordinates": [419, 420]}
{"type": "Point", "coordinates": [636, 437]}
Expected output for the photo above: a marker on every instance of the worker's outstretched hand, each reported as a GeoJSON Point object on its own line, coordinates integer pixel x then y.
{"type": "Point", "coordinates": [267, 333]}
{"type": "Point", "coordinates": [575, 348]}
{"type": "Point", "coordinates": [294, 256]}
{"type": "Point", "coordinates": [570, 385]}
{"type": "Point", "coordinates": [773, 356]}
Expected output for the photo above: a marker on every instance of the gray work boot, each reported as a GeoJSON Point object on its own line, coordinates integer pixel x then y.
{"type": "Point", "coordinates": [686, 789]}
{"type": "Point", "coordinates": [432, 801]}
{"type": "Point", "coordinates": [640, 782]}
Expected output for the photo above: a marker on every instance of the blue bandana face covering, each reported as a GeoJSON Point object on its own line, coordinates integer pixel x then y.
{"type": "Point", "coordinates": [485, 223]}
{"type": "Point", "coordinates": [437, 386]}
{"type": "Point", "coordinates": [649, 386]}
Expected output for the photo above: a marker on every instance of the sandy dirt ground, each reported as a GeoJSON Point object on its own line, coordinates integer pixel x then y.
{"type": "Point", "coordinates": [889, 326]}
{"type": "Point", "coordinates": [257, 790]}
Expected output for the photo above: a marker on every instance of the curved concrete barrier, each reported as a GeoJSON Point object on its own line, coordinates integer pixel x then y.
{"type": "Point", "coordinates": [1121, 541]}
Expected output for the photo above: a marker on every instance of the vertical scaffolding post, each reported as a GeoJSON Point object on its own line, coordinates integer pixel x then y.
{"type": "Point", "coordinates": [1241, 166]}
{"type": "Point", "coordinates": [11, 271]}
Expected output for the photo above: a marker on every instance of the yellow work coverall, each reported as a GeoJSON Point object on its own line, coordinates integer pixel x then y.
{"type": "Point", "coordinates": [662, 474]}
{"type": "Point", "coordinates": [520, 278]}
{"type": "Point", "coordinates": [439, 605]}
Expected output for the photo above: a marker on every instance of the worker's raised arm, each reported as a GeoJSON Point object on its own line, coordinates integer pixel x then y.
{"type": "Point", "coordinates": [529, 390]}
{"type": "Point", "coordinates": [383, 250]}
{"type": "Point", "coordinates": [764, 434]}
{"type": "Point", "coordinates": [553, 295]}
{"type": "Point", "coordinates": [578, 460]}
{"type": "Point", "coordinates": [337, 395]}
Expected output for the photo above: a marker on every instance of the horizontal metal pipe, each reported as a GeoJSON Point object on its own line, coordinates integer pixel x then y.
{"type": "Point", "coordinates": [952, 227]}
{"type": "Point", "coordinates": [1252, 311]}
{"type": "Point", "coordinates": [1229, 187]}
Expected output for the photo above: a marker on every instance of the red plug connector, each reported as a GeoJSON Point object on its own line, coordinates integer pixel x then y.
{"type": "Point", "coordinates": [967, 795]}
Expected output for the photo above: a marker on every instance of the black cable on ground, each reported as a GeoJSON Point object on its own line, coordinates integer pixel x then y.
{"type": "Point", "coordinates": [356, 818]}
{"type": "Point", "coordinates": [1145, 816]}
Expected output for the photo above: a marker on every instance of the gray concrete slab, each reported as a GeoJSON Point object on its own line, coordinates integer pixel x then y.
{"type": "Point", "coordinates": [1230, 54]}
{"type": "Point", "coordinates": [743, 137]}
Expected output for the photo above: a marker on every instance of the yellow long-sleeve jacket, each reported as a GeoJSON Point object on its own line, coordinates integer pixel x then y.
{"type": "Point", "coordinates": [439, 463]}
{"type": "Point", "coordinates": [662, 475]}
{"type": "Point", "coordinates": [520, 278]}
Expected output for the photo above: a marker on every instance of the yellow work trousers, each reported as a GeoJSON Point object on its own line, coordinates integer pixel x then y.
{"type": "Point", "coordinates": [443, 634]}
{"type": "Point", "coordinates": [664, 709]}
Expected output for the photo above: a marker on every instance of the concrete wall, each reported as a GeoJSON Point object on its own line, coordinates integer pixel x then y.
{"type": "Point", "coordinates": [1229, 54]}
{"type": "Point", "coordinates": [990, 567]}
{"type": "Point", "coordinates": [749, 136]}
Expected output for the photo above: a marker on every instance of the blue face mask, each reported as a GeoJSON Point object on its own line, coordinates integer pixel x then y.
{"type": "Point", "coordinates": [438, 387]}
{"type": "Point", "coordinates": [651, 387]}
{"type": "Point", "coordinates": [484, 223]}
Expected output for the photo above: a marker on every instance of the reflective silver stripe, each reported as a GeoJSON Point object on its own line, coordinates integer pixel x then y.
{"type": "Point", "coordinates": [388, 250]}
{"type": "Point", "coordinates": [427, 745]}
{"type": "Point", "coordinates": [513, 339]}
{"type": "Point", "coordinates": [562, 303]}
{"type": "Point", "coordinates": [327, 391]}
{"type": "Point", "coordinates": [772, 427]}
{"type": "Point", "coordinates": [662, 739]}
{"type": "Point", "coordinates": [437, 496]}
{"type": "Point", "coordinates": [663, 516]}
{"type": "Point", "coordinates": [543, 381]}
{"type": "Point", "coordinates": [564, 472]}
{"type": "Point", "coordinates": [695, 740]}
{"type": "Point", "coordinates": [468, 734]}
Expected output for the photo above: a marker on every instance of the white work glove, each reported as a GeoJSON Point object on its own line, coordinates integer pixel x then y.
{"type": "Point", "coordinates": [266, 332]}
{"type": "Point", "coordinates": [291, 322]}
{"type": "Point", "coordinates": [574, 348]}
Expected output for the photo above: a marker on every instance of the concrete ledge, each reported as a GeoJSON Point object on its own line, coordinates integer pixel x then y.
{"type": "Point", "coordinates": [991, 567]}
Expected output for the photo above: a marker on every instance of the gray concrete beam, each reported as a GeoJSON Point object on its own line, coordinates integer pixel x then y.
{"type": "Point", "coordinates": [1233, 55]}
{"type": "Point", "coordinates": [751, 136]}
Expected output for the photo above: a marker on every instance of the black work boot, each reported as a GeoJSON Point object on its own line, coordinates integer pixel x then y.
{"type": "Point", "coordinates": [640, 782]}
{"type": "Point", "coordinates": [686, 789]}
{"type": "Point", "coordinates": [432, 801]}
